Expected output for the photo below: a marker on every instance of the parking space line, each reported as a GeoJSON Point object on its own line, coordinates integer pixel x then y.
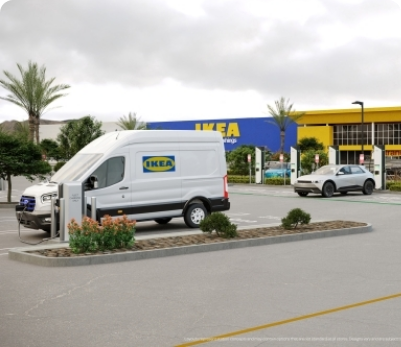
{"type": "Point", "coordinates": [332, 199]}
{"type": "Point", "coordinates": [286, 321]}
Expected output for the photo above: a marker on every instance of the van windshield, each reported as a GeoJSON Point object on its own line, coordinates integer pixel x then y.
{"type": "Point", "coordinates": [75, 167]}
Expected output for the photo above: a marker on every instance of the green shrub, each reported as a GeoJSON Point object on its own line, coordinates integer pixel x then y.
{"type": "Point", "coordinates": [89, 237]}
{"type": "Point", "coordinates": [220, 223]}
{"type": "Point", "coordinates": [58, 165]}
{"type": "Point", "coordinates": [389, 184]}
{"type": "Point", "coordinates": [295, 216]}
{"type": "Point", "coordinates": [278, 181]}
{"type": "Point", "coordinates": [240, 179]}
{"type": "Point", "coordinates": [395, 187]}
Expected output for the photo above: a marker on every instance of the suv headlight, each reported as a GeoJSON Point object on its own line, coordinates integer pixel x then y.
{"type": "Point", "coordinates": [318, 181]}
{"type": "Point", "coordinates": [48, 197]}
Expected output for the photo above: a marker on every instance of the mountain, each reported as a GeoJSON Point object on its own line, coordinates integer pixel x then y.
{"type": "Point", "coordinates": [9, 125]}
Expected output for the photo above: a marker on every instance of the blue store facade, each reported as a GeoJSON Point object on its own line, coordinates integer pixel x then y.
{"type": "Point", "coordinates": [239, 131]}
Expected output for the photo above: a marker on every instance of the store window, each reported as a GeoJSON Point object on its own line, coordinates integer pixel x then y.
{"type": "Point", "coordinates": [347, 135]}
{"type": "Point", "coordinates": [388, 134]}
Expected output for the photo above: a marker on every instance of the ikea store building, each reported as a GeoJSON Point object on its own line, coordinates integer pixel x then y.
{"type": "Point", "coordinates": [341, 128]}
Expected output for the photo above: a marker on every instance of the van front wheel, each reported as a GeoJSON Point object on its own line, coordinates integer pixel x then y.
{"type": "Point", "coordinates": [194, 215]}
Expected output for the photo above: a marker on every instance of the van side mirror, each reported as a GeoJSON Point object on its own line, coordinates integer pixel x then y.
{"type": "Point", "coordinates": [93, 182]}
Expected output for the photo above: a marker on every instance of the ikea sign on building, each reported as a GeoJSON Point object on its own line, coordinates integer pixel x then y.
{"type": "Point", "coordinates": [261, 132]}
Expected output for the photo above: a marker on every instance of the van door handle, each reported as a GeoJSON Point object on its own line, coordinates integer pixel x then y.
{"type": "Point", "coordinates": [122, 188]}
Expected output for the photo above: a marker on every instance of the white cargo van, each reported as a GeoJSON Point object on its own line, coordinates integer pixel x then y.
{"type": "Point", "coordinates": [144, 174]}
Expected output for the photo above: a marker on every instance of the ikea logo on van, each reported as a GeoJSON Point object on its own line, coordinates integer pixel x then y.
{"type": "Point", "coordinates": [158, 164]}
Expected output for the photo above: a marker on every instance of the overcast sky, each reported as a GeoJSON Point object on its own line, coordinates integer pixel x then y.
{"type": "Point", "coordinates": [203, 59]}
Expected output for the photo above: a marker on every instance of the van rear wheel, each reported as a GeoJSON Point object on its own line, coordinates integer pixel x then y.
{"type": "Point", "coordinates": [194, 215]}
{"type": "Point", "coordinates": [162, 220]}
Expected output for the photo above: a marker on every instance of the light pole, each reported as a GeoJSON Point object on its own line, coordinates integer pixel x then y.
{"type": "Point", "coordinates": [360, 103]}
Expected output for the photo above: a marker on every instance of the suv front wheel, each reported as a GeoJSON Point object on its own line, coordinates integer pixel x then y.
{"type": "Point", "coordinates": [328, 190]}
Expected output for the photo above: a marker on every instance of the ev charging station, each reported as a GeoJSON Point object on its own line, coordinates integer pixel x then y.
{"type": "Point", "coordinates": [334, 155]}
{"type": "Point", "coordinates": [259, 165]}
{"type": "Point", "coordinates": [72, 205]}
{"type": "Point", "coordinates": [295, 164]}
{"type": "Point", "coordinates": [379, 161]}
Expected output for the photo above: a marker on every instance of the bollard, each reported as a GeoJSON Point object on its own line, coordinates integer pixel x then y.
{"type": "Point", "coordinates": [93, 208]}
{"type": "Point", "coordinates": [53, 227]}
{"type": "Point", "coordinates": [62, 220]}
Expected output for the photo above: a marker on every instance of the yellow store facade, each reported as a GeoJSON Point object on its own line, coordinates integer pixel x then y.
{"type": "Point", "coordinates": [343, 128]}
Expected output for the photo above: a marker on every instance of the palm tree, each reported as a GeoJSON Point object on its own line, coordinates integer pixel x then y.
{"type": "Point", "coordinates": [131, 122]}
{"type": "Point", "coordinates": [33, 93]}
{"type": "Point", "coordinates": [283, 116]}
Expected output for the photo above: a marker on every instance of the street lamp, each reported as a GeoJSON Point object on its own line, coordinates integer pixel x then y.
{"type": "Point", "coordinates": [360, 103]}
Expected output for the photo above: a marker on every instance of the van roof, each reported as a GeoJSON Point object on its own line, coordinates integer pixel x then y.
{"type": "Point", "coordinates": [118, 139]}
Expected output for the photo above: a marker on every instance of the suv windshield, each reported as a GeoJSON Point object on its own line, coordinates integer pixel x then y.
{"type": "Point", "coordinates": [75, 167]}
{"type": "Point", "coordinates": [327, 170]}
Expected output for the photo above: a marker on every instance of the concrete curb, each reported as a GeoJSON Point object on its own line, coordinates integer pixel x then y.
{"type": "Point", "coordinates": [21, 255]}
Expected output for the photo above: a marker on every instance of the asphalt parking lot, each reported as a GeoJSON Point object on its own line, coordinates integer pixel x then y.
{"type": "Point", "coordinates": [309, 293]}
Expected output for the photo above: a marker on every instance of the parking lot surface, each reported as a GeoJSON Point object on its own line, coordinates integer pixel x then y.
{"type": "Point", "coordinates": [260, 296]}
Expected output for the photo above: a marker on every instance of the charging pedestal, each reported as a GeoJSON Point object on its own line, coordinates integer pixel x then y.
{"type": "Point", "coordinates": [259, 165]}
{"type": "Point", "coordinates": [334, 155]}
{"type": "Point", "coordinates": [73, 197]}
{"type": "Point", "coordinates": [295, 164]}
{"type": "Point", "coordinates": [379, 161]}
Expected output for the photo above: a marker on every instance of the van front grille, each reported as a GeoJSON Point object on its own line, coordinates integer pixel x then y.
{"type": "Point", "coordinates": [29, 202]}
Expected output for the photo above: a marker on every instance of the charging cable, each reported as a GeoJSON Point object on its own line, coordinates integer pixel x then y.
{"type": "Point", "coordinates": [26, 242]}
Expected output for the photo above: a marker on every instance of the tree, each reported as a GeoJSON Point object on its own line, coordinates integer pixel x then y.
{"type": "Point", "coordinates": [21, 130]}
{"type": "Point", "coordinates": [307, 143]}
{"type": "Point", "coordinates": [131, 122]}
{"type": "Point", "coordinates": [66, 140]}
{"type": "Point", "coordinates": [50, 148]}
{"type": "Point", "coordinates": [76, 134]}
{"type": "Point", "coordinates": [283, 116]}
{"type": "Point", "coordinates": [308, 160]}
{"type": "Point", "coordinates": [33, 93]}
{"type": "Point", "coordinates": [237, 160]}
{"type": "Point", "coordinates": [2, 130]}
{"type": "Point", "coordinates": [19, 157]}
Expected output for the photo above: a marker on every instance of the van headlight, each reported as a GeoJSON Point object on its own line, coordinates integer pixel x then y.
{"type": "Point", "coordinates": [47, 197]}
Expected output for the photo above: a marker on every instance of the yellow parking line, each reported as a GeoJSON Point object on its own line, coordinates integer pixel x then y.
{"type": "Point", "coordinates": [290, 320]}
